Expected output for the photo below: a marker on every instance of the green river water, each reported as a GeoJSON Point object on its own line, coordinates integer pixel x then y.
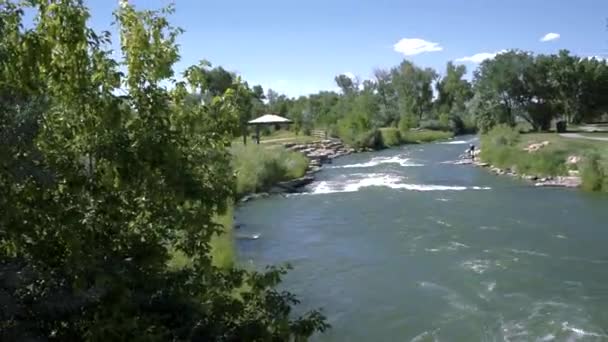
{"type": "Point", "coordinates": [402, 245]}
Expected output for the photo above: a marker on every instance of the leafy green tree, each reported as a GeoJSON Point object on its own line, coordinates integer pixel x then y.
{"type": "Point", "coordinates": [388, 110]}
{"type": "Point", "coordinates": [414, 88]}
{"type": "Point", "coordinates": [98, 190]}
{"type": "Point", "coordinates": [453, 90]}
{"type": "Point", "coordinates": [346, 84]}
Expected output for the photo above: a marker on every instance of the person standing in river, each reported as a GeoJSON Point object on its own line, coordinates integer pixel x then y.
{"type": "Point", "coordinates": [472, 151]}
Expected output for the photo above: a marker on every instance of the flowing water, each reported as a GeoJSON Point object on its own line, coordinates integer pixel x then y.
{"type": "Point", "coordinates": [403, 245]}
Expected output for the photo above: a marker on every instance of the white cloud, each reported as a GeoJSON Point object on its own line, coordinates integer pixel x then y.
{"type": "Point", "coordinates": [349, 75]}
{"type": "Point", "coordinates": [414, 46]}
{"type": "Point", "coordinates": [479, 57]}
{"type": "Point", "coordinates": [550, 36]}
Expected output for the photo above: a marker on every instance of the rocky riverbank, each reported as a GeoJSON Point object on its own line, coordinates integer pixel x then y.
{"type": "Point", "coordinates": [319, 153]}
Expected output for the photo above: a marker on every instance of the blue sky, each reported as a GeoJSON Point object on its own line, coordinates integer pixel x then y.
{"type": "Point", "coordinates": [298, 46]}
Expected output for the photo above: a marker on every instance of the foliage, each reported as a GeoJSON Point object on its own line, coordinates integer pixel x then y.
{"type": "Point", "coordinates": [390, 136]}
{"type": "Point", "coordinates": [98, 189]}
{"type": "Point", "coordinates": [518, 85]}
{"type": "Point", "coordinates": [423, 136]}
{"type": "Point", "coordinates": [258, 167]}
{"type": "Point", "coordinates": [504, 146]}
{"type": "Point", "coordinates": [594, 172]}
{"type": "Point", "coordinates": [436, 125]}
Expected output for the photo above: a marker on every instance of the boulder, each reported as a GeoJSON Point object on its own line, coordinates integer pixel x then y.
{"type": "Point", "coordinates": [573, 160]}
{"type": "Point", "coordinates": [536, 146]}
{"type": "Point", "coordinates": [564, 182]}
{"type": "Point", "coordinates": [250, 197]}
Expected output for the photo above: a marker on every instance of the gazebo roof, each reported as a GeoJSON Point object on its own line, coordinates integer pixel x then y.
{"type": "Point", "coordinates": [269, 119]}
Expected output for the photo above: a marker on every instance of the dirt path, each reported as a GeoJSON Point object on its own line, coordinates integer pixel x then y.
{"type": "Point", "coordinates": [580, 136]}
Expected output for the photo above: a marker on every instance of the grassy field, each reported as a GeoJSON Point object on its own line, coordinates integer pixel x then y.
{"type": "Point", "coordinates": [277, 138]}
{"type": "Point", "coordinates": [596, 135]}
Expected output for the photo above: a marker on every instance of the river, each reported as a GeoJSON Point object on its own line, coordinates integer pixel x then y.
{"type": "Point", "coordinates": [402, 245]}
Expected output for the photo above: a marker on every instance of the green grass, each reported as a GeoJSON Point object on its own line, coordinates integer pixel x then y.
{"type": "Point", "coordinates": [424, 136]}
{"type": "Point", "coordinates": [222, 246]}
{"type": "Point", "coordinates": [258, 167]}
{"type": "Point", "coordinates": [278, 137]}
{"type": "Point", "coordinates": [596, 135]}
{"type": "Point", "coordinates": [390, 136]}
{"type": "Point", "coordinates": [503, 147]}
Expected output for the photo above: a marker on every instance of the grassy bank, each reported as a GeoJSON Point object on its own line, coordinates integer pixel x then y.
{"type": "Point", "coordinates": [393, 137]}
{"type": "Point", "coordinates": [504, 147]}
{"type": "Point", "coordinates": [222, 245]}
{"type": "Point", "coordinates": [258, 167]}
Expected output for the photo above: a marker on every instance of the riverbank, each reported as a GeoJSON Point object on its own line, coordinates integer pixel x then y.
{"type": "Point", "coordinates": [546, 159]}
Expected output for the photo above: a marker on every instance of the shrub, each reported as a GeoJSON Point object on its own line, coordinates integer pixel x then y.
{"type": "Point", "coordinates": [502, 135]}
{"type": "Point", "coordinates": [422, 136]}
{"type": "Point", "coordinates": [370, 139]}
{"type": "Point", "coordinates": [407, 122]}
{"type": "Point", "coordinates": [436, 125]}
{"type": "Point", "coordinates": [456, 125]}
{"type": "Point", "coordinates": [390, 136]}
{"type": "Point", "coordinates": [258, 167]}
{"type": "Point", "coordinates": [594, 174]}
{"type": "Point", "coordinates": [500, 148]}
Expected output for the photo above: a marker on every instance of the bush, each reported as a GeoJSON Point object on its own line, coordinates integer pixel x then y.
{"type": "Point", "coordinates": [436, 125]}
{"type": "Point", "coordinates": [422, 136]}
{"type": "Point", "coordinates": [502, 135]}
{"type": "Point", "coordinates": [407, 122]}
{"type": "Point", "coordinates": [456, 125]}
{"type": "Point", "coordinates": [500, 148]}
{"type": "Point", "coordinates": [390, 136]}
{"type": "Point", "coordinates": [258, 167]}
{"type": "Point", "coordinates": [594, 173]}
{"type": "Point", "coordinates": [370, 139]}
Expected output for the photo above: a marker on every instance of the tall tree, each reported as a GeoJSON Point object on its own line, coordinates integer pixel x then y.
{"type": "Point", "coordinates": [415, 89]}
{"type": "Point", "coordinates": [346, 84]}
{"type": "Point", "coordinates": [453, 90]}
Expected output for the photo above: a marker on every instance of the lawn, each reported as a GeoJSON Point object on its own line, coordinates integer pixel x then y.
{"type": "Point", "coordinates": [278, 137]}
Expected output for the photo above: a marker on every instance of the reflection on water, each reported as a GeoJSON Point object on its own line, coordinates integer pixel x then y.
{"type": "Point", "coordinates": [399, 246]}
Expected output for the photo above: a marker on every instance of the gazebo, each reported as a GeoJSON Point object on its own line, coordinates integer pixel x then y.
{"type": "Point", "coordinates": [267, 119]}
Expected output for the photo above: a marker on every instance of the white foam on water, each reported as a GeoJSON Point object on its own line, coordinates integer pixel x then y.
{"type": "Point", "coordinates": [455, 142]}
{"type": "Point", "coordinates": [401, 160]}
{"type": "Point", "coordinates": [380, 180]}
{"type": "Point", "coordinates": [490, 286]}
{"type": "Point", "coordinates": [489, 228]}
{"type": "Point", "coordinates": [547, 338]}
{"type": "Point", "coordinates": [580, 332]}
{"type": "Point", "coordinates": [534, 253]}
{"type": "Point", "coordinates": [442, 199]}
{"type": "Point", "coordinates": [450, 247]}
{"type": "Point", "coordinates": [560, 236]}
{"type": "Point", "coordinates": [478, 266]}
